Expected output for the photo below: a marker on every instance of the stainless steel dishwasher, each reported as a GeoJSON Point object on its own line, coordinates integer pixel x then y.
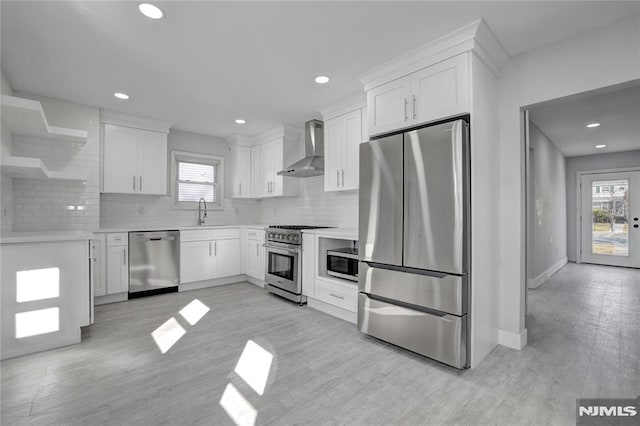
{"type": "Point", "coordinates": [154, 262]}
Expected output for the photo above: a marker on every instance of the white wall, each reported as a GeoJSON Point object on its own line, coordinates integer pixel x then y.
{"type": "Point", "coordinates": [603, 57]}
{"type": "Point", "coordinates": [6, 181]}
{"type": "Point", "coordinates": [549, 209]}
{"type": "Point", "coordinates": [614, 160]}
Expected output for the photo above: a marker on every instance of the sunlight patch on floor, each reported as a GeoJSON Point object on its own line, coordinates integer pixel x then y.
{"type": "Point", "coordinates": [168, 334]}
{"type": "Point", "coordinates": [254, 366]}
{"type": "Point", "coordinates": [194, 311]}
{"type": "Point", "coordinates": [237, 407]}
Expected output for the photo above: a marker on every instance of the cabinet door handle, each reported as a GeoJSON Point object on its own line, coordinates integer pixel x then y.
{"type": "Point", "coordinates": [209, 248]}
{"type": "Point", "coordinates": [257, 249]}
{"type": "Point", "coordinates": [406, 116]}
{"type": "Point", "coordinates": [414, 107]}
{"type": "Point", "coordinates": [240, 189]}
{"type": "Point", "coordinates": [140, 183]}
{"type": "Point", "coordinates": [215, 248]}
{"type": "Point", "coordinates": [124, 256]}
{"type": "Point", "coordinates": [343, 178]}
{"type": "Point", "coordinates": [134, 183]}
{"type": "Point", "coordinates": [336, 296]}
{"type": "Point", "coordinates": [337, 178]}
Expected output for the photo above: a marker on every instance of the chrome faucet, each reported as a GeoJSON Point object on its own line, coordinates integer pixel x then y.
{"type": "Point", "coordinates": [202, 216]}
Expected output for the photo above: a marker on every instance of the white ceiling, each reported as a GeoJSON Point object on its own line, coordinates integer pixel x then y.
{"type": "Point", "coordinates": [209, 63]}
{"type": "Point", "coordinates": [618, 112]}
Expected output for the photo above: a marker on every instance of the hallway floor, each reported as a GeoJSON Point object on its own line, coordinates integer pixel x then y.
{"type": "Point", "coordinates": [584, 341]}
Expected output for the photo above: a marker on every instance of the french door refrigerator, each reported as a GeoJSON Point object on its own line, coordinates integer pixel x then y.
{"type": "Point", "coordinates": [414, 239]}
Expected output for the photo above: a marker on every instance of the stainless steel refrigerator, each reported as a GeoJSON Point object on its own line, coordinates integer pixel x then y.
{"type": "Point", "coordinates": [414, 239]}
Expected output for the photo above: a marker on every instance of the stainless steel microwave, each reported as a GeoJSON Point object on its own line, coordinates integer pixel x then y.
{"type": "Point", "coordinates": [343, 263]}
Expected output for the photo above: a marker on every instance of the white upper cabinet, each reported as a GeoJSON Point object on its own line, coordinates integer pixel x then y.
{"type": "Point", "coordinates": [343, 135]}
{"type": "Point", "coordinates": [134, 161]}
{"type": "Point", "coordinates": [438, 91]}
{"type": "Point", "coordinates": [268, 170]}
{"type": "Point", "coordinates": [242, 172]}
{"type": "Point", "coordinates": [388, 106]}
{"type": "Point", "coordinates": [256, 171]}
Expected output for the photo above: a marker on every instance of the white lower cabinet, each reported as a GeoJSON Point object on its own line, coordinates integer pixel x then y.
{"type": "Point", "coordinates": [208, 254]}
{"type": "Point", "coordinates": [117, 263]}
{"type": "Point", "coordinates": [344, 296]}
{"type": "Point", "coordinates": [195, 261]}
{"type": "Point", "coordinates": [254, 265]}
{"type": "Point", "coordinates": [98, 255]}
{"type": "Point", "coordinates": [226, 257]}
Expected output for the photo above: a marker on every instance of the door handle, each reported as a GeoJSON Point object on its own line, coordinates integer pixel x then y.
{"type": "Point", "coordinates": [209, 248]}
{"type": "Point", "coordinates": [336, 296]}
{"type": "Point", "coordinates": [239, 189]}
{"type": "Point", "coordinates": [215, 248]}
{"type": "Point", "coordinates": [134, 183]}
{"type": "Point", "coordinates": [406, 101]}
{"type": "Point", "coordinates": [140, 183]}
{"type": "Point", "coordinates": [337, 178]}
{"type": "Point", "coordinates": [414, 107]}
{"type": "Point", "coordinates": [343, 178]}
{"type": "Point", "coordinates": [124, 256]}
{"type": "Point", "coordinates": [257, 249]}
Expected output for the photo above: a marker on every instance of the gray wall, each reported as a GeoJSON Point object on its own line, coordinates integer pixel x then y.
{"type": "Point", "coordinates": [549, 208]}
{"type": "Point", "coordinates": [614, 160]}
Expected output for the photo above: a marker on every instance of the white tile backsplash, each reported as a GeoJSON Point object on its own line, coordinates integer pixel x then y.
{"type": "Point", "coordinates": [59, 205]}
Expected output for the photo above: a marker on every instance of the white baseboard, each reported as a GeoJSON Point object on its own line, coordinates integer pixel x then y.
{"type": "Point", "coordinates": [255, 281]}
{"type": "Point", "coordinates": [332, 310]}
{"type": "Point", "coordinates": [513, 340]}
{"type": "Point", "coordinates": [535, 283]}
{"type": "Point", "coordinates": [212, 283]}
{"type": "Point", "coordinates": [110, 298]}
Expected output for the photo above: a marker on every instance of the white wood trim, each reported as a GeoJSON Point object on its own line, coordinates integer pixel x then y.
{"type": "Point", "coordinates": [535, 282]}
{"type": "Point", "coordinates": [344, 105]}
{"type": "Point", "coordinates": [212, 283]}
{"type": "Point", "coordinates": [332, 310]}
{"type": "Point", "coordinates": [110, 298]}
{"type": "Point", "coordinates": [579, 175]}
{"type": "Point", "coordinates": [254, 281]}
{"type": "Point", "coordinates": [475, 36]}
{"type": "Point", "coordinates": [172, 180]}
{"type": "Point", "coordinates": [126, 120]}
{"type": "Point", "coordinates": [512, 340]}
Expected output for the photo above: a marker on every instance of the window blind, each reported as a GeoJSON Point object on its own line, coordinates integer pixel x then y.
{"type": "Point", "coordinates": [195, 181]}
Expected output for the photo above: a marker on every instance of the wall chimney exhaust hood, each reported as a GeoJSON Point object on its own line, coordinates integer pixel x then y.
{"type": "Point", "coordinates": [313, 162]}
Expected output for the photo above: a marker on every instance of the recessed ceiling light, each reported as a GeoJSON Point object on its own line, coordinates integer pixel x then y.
{"type": "Point", "coordinates": [240, 121]}
{"type": "Point", "coordinates": [322, 79]}
{"type": "Point", "coordinates": [592, 125]}
{"type": "Point", "coordinates": [151, 11]}
{"type": "Point", "coordinates": [600, 146]}
{"type": "Point", "coordinates": [122, 96]}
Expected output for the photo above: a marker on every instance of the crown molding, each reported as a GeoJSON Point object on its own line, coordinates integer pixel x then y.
{"type": "Point", "coordinates": [350, 103]}
{"type": "Point", "coordinates": [127, 120]}
{"type": "Point", "coordinates": [475, 37]}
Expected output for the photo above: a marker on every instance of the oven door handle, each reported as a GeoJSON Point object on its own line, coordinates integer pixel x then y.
{"type": "Point", "coordinates": [279, 248]}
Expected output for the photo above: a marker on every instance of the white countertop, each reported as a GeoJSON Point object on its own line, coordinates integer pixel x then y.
{"type": "Point", "coordinates": [171, 228]}
{"type": "Point", "coordinates": [42, 236]}
{"type": "Point", "coordinates": [348, 233]}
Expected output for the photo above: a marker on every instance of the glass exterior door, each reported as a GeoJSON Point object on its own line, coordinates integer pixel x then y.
{"type": "Point", "coordinates": [610, 229]}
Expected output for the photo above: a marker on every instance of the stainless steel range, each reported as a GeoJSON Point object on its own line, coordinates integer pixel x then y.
{"type": "Point", "coordinates": [284, 265]}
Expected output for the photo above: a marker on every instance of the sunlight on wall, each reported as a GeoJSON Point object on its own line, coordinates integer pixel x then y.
{"type": "Point", "coordinates": [194, 311]}
{"type": "Point", "coordinates": [37, 284]}
{"type": "Point", "coordinates": [254, 366]}
{"type": "Point", "coordinates": [33, 323]}
{"type": "Point", "coordinates": [237, 407]}
{"type": "Point", "coordinates": [168, 334]}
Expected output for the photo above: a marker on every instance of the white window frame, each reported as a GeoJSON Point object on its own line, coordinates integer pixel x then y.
{"type": "Point", "coordinates": [193, 157]}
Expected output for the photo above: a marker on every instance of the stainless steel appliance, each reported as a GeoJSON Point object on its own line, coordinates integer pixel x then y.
{"type": "Point", "coordinates": [154, 263]}
{"type": "Point", "coordinates": [284, 267]}
{"type": "Point", "coordinates": [313, 162]}
{"type": "Point", "coordinates": [414, 235]}
{"type": "Point", "coordinates": [343, 263]}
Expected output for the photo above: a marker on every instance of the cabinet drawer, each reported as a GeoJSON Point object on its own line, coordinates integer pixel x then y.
{"type": "Point", "coordinates": [441, 337]}
{"type": "Point", "coordinates": [255, 234]}
{"type": "Point", "coordinates": [226, 234]}
{"type": "Point", "coordinates": [117, 239]}
{"type": "Point", "coordinates": [342, 296]}
{"type": "Point", "coordinates": [197, 235]}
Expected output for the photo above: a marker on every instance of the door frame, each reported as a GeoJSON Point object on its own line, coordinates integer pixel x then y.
{"type": "Point", "coordinates": [579, 175]}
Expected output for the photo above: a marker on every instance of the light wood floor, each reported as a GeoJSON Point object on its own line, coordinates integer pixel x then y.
{"type": "Point", "coordinates": [584, 341]}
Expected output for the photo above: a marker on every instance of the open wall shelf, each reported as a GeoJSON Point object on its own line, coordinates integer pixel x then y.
{"type": "Point", "coordinates": [34, 168]}
{"type": "Point", "coordinates": [26, 117]}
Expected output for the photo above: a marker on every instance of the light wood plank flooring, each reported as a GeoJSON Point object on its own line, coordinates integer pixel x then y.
{"type": "Point", "coordinates": [584, 341]}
